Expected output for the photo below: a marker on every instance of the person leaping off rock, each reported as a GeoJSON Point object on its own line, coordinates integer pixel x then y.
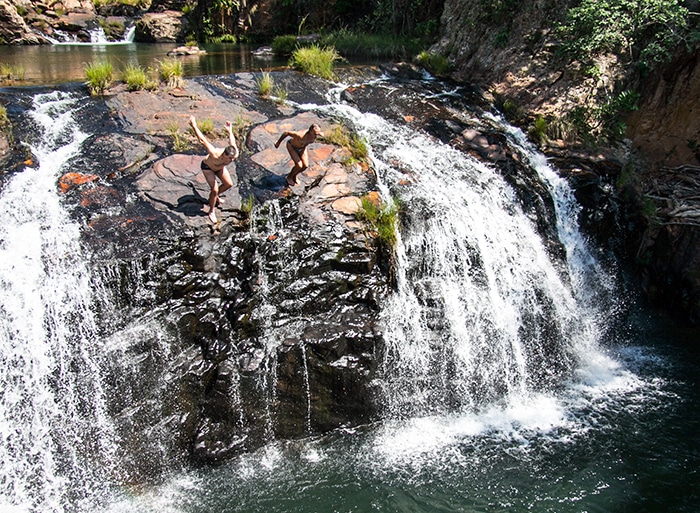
{"type": "Point", "coordinates": [296, 146]}
{"type": "Point", "coordinates": [214, 166]}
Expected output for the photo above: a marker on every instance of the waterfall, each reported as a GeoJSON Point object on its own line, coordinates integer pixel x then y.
{"type": "Point", "coordinates": [482, 314]}
{"type": "Point", "coordinates": [55, 437]}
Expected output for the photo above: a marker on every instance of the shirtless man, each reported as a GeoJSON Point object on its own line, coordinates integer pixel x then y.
{"type": "Point", "coordinates": [296, 146]}
{"type": "Point", "coordinates": [214, 166]}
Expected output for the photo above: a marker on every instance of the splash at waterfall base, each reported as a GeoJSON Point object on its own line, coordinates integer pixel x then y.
{"type": "Point", "coordinates": [215, 344]}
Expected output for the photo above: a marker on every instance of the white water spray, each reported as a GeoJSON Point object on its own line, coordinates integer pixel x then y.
{"type": "Point", "coordinates": [54, 433]}
{"type": "Point", "coordinates": [482, 312]}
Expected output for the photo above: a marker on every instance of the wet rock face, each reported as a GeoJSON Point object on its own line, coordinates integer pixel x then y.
{"type": "Point", "coordinates": [265, 325]}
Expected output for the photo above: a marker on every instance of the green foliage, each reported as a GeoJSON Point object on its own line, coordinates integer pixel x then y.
{"type": "Point", "coordinates": [315, 60]}
{"type": "Point", "coordinates": [12, 72]}
{"type": "Point", "coordinates": [179, 143]}
{"type": "Point", "coordinates": [224, 38]}
{"type": "Point", "coordinates": [351, 43]}
{"type": "Point", "coordinates": [610, 114]}
{"type": "Point", "coordinates": [641, 30]}
{"type": "Point", "coordinates": [284, 45]}
{"type": "Point", "coordinates": [136, 78]}
{"type": "Point", "coordinates": [436, 64]}
{"type": "Point", "coordinates": [265, 84]}
{"type": "Point", "coordinates": [5, 125]}
{"type": "Point", "coordinates": [538, 131]}
{"type": "Point", "coordinates": [239, 127]}
{"type": "Point", "coordinates": [381, 218]}
{"type": "Point", "coordinates": [595, 124]}
{"type": "Point", "coordinates": [280, 94]}
{"type": "Point", "coordinates": [508, 107]}
{"type": "Point", "coordinates": [341, 136]}
{"type": "Point", "coordinates": [171, 72]}
{"type": "Point", "coordinates": [206, 126]}
{"type": "Point", "coordinates": [247, 204]}
{"type": "Point", "coordinates": [99, 77]}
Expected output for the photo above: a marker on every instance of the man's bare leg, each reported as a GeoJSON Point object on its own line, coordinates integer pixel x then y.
{"type": "Point", "coordinates": [213, 198]}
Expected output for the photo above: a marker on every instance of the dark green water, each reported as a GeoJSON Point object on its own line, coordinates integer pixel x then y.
{"type": "Point", "coordinates": [55, 64]}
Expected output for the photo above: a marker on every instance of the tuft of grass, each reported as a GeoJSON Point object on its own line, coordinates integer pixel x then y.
{"type": "Point", "coordinates": [5, 124]}
{"type": "Point", "coordinates": [179, 143]}
{"type": "Point", "coordinates": [538, 130]}
{"type": "Point", "coordinates": [265, 84]}
{"type": "Point", "coordinates": [99, 77]}
{"type": "Point", "coordinates": [12, 72]}
{"type": "Point", "coordinates": [247, 205]}
{"type": "Point", "coordinates": [171, 72]}
{"type": "Point", "coordinates": [341, 136]}
{"type": "Point", "coordinates": [315, 60]}
{"type": "Point", "coordinates": [135, 77]}
{"type": "Point", "coordinates": [381, 218]}
{"type": "Point", "coordinates": [206, 126]}
{"type": "Point", "coordinates": [280, 94]}
{"type": "Point", "coordinates": [436, 64]}
{"type": "Point", "coordinates": [239, 127]}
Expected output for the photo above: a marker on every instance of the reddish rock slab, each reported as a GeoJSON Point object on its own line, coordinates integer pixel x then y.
{"type": "Point", "coordinates": [177, 185]}
{"type": "Point", "coordinates": [328, 189]}
{"type": "Point", "coordinates": [71, 180]}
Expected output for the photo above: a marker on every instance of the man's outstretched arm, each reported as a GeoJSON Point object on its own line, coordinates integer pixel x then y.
{"type": "Point", "coordinates": [231, 138]}
{"type": "Point", "coordinates": [200, 136]}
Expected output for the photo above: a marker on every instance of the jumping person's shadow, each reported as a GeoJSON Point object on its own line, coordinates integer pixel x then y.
{"type": "Point", "coordinates": [189, 205]}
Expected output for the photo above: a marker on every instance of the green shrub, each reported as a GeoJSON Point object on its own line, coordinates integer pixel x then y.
{"type": "Point", "coordinates": [99, 77]}
{"type": "Point", "coordinates": [171, 72]}
{"type": "Point", "coordinates": [436, 64]}
{"type": "Point", "coordinates": [340, 136]}
{"type": "Point", "coordinates": [315, 60]}
{"type": "Point", "coordinates": [280, 94]}
{"type": "Point", "coordinates": [642, 30]}
{"type": "Point", "coordinates": [5, 124]}
{"type": "Point", "coordinates": [247, 204]}
{"type": "Point", "coordinates": [284, 45]}
{"type": "Point", "coordinates": [12, 72]}
{"type": "Point", "coordinates": [179, 143]}
{"type": "Point", "coordinates": [538, 131]}
{"type": "Point", "coordinates": [135, 77]}
{"type": "Point", "coordinates": [381, 218]}
{"type": "Point", "coordinates": [350, 43]}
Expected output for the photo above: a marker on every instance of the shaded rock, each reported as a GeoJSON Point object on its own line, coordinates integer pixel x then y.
{"type": "Point", "coordinates": [161, 27]}
{"type": "Point", "coordinates": [13, 28]}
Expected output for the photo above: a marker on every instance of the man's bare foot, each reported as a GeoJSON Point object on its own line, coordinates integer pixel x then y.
{"type": "Point", "coordinates": [212, 216]}
{"type": "Point", "coordinates": [291, 181]}
{"type": "Point", "coordinates": [219, 201]}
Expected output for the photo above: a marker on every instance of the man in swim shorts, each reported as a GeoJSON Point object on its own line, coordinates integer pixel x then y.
{"type": "Point", "coordinates": [214, 166]}
{"type": "Point", "coordinates": [296, 146]}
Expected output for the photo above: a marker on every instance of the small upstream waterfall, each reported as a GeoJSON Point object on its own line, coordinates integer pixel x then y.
{"type": "Point", "coordinates": [55, 437]}
{"type": "Point", "coordinates": [482, 313]}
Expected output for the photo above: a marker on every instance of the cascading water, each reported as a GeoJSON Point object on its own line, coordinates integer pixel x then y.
{"type": "Point", "coordinates": [482, 312]}
{"type": "Point", "coordinates": [498, 397]}
{"type": "Point", "coordinates": [55, 436]}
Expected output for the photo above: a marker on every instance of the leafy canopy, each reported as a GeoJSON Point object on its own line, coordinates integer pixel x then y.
{"type": "Point", "coordinates": [643, 30]}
